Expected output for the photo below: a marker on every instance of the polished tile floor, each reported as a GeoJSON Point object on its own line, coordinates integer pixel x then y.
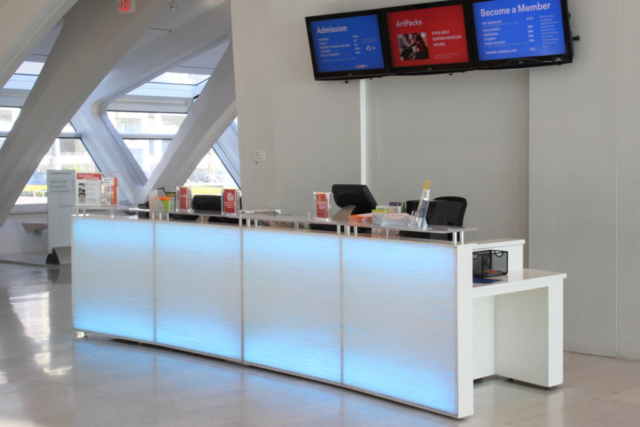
{"type": "Point", "coordinates": [50, 378]}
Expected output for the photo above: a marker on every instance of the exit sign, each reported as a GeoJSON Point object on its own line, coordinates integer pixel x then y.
{"type": "Point", "coordinates": [126, 6]}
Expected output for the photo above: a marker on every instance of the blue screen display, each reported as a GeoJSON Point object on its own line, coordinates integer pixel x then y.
{"type": "Point", "coordinates": [507, 29]}
{"type": "Point", "coordinates": [347, 44]}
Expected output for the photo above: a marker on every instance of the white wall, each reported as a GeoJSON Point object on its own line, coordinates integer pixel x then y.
{"type": "Point", "coordinates": [468, 134]}
{"type": "Point", "coordinates": [14, 240]}
{"type": "Point", "coordinates": [585, 180]}
{"type": "Point", "coordinates": [313, 137]}
{"type": "Point", "coordinates": [628, 247]}
{"type": "Point", "coordinates": [310, 131]}
{"type": "Point", "coordinates": [551, 153]}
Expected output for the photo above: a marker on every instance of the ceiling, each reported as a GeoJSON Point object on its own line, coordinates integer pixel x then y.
{"type": "Point", "coordinates": [41, 52]}
{"type": "Point", "coordinates": [204, 63]}
{"type": "Point", "coordinates": [187, 10]}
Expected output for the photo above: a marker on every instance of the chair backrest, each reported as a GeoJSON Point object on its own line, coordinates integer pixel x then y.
{"type": "Point", "coordinates": [412, 206]}
{"type": "Point", "coordinates": [207, 203]}
{"type": "Point", "coordinates": [449, 211]}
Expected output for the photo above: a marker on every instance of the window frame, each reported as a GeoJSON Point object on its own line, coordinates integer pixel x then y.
{"type": "Point", "coordinates": [43, 208]}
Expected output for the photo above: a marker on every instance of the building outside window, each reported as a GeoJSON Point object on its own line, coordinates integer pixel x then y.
{"type": "Point", "coordinates": [127, 122]}
{"type": "Point", "coordinates": [8, 117]}
{"type": "Point", "coordinates": [147, 152]}
{"type": "Point", "coordinates": [66, 153]}
{"type": "Point", "coordinates": [210, 176]}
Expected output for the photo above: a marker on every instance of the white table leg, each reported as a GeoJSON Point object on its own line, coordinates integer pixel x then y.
{"type": "Point", "coordinates": [529, 335]}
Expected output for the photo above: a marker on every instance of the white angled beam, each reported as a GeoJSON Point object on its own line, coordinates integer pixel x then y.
{"type": "Point", "coordinates": [206, 122]}
{"type": "Point", "coordinates": [102, 140]}
{"type": "Point", "coordinates": [228, 150]}
{"type": "Point", "coordinates": [24, 24]}
{"type": "Point", "coordinates": [92, 41]}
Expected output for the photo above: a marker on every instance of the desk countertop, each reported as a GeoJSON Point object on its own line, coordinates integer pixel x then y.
{"type": "Point", "coordinates": [517, 281]}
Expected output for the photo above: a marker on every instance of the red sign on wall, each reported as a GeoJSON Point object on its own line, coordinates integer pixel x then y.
{"type": "Point", "coordinates": [126, 6]}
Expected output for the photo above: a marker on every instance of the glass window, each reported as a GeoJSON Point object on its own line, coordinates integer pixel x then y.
{"type": "Point", "coordinates": [31, 68]}
{"type": "Point", "coordinates": [147, 152]}
{"type": "Point", "coordinates": [69, 128]}
{"type": "Point", "coordinates": [66, 153]}
{"type": "Point", "coordinates": [181, 78]}
{"type": "Point", "coordinates": [8, 117]}
{"type": "Point", "coordinates": [210, 177]}
{"type": "Point", "coordinates": [127, 122]}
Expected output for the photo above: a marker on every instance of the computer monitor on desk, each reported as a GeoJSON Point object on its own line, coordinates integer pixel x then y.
{"type": "Point", "coordinates": [353, 199]}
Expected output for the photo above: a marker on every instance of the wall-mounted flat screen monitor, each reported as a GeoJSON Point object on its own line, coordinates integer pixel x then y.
{"type": "Point", "coordinates": [347, 46]}
{"type": "Point", "coordinates": [521, 33]}
{"type": "Point", "coordinates": [429, 38]}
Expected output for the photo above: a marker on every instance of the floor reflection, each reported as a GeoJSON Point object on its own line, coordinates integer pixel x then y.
{"type": "Point", "coordinates": [50, 378]}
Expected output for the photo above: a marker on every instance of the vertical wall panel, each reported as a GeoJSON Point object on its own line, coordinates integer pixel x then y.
{"type": "Point", "coordinates": [573, 176]}
{"type": "Point", "coordinates": [113, 277]}
{"type": "Point", "coordinates": [292, 302]}
{"type": "Point", "coordinates": [628, 227]}
{"type": "Point", "coordinates": [198, 288]}
{"type": "Point", "coordinates": [400, 321]}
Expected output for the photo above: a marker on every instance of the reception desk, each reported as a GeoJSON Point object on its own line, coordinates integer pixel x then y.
{"type": "Point", "coordinates": [392, 317]}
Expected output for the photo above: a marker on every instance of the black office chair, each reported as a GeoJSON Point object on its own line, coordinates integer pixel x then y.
{"type": "Point", "coordinates": [213, 204]}
{"type": "Point", "coordinates": [176, 217]}
{"type": "Point", "coordinates": [447, 211]}
{"type": "Point", "coordinates": [451, 212]}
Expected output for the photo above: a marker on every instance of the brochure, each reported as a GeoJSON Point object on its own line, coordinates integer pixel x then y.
{"type": "Point", "coordinates": [111, 191]}
{"type": "Point", "coordinates": [230, 201]}
{"type": "Point", "coordinates": [183, 195]}
{"type": "Point", "coordinates": [322, 205]}
{"type": "Point", "coordinates": [89, 189]}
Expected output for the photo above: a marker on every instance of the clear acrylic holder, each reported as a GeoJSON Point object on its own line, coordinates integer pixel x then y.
{"type": "Point", "coordinates": [328, 199]}
{"type": "Point", "coordinates": [419, 217]}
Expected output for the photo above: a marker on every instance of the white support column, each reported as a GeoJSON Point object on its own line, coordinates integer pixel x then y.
{"type": "Point", "coordinates": [102, 140]}
{"type": "Point", "coordinates": [92, 41]}
{"type": "Point", "coordinates": [206, 122]}
{"type": "Point", "coordinates": [24, 24]}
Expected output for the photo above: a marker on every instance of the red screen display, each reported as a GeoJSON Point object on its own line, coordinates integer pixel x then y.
{"type": "Point", "coordinates": [431, 36]}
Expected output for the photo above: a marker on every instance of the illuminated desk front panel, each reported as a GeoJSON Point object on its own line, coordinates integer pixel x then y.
{"type": "Point", "coordinates": [113, 269]}
{"type": "Point", "coordinates": [390, 318]}
{"type": "Point", "coordinates": [400, 321]}
{"type": "Point", "coordinates": [198, 300]}
{"type": "Point", "coordinates": [292, 302]}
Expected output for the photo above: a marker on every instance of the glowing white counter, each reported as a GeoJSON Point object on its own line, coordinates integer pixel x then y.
{"type": "Point", "coordinates": [393, 318]}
